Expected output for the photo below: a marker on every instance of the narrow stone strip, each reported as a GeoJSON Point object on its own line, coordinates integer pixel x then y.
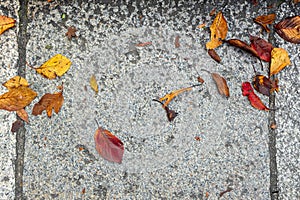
{"type": "Point", "coordinates": [20, 135]}
{"type": "Point", "coordinates": [274, 191]}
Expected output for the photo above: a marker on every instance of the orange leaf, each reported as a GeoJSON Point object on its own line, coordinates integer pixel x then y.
{"type": "Point", "coordinates": [6, 23]}
{"type": "Point", "coordinates": [221, 84]}
{"type": "Point", "coordinates": [168, 97]}
{"type": "Point", "coordinates": [15, 82]}
{"type": "Point", "coordinates": [252, 97]}
{"type": "Point", "coordinates": [17, 98]}
{"type": "Point", "coordinates": [280, 59]}
{"type": "Point", "coordinates": [49, 102]}
{"type": "Point", "coordinates": [108, 145]}
{"type": "Point", "coordinates": [264, 20]}
{"type": "Point", "coordinates": [289, 29]}
{"type": "Point", "coordinates": [218, 30]}
{"type": "Point", "coordinates": [23, 115]}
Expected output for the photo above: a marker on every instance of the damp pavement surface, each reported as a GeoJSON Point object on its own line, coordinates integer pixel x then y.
{"type": "Point", "coordinates": [237, 156]}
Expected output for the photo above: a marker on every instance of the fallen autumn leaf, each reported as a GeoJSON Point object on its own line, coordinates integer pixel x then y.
{"type": "Point", "coordinates": [6, 23]}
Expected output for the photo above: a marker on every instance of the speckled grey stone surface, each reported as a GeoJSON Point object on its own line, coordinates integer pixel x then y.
{"type": "Point", "coordinates": [162, 160]}
{"type": "Point", "coordinates": [8, 60]}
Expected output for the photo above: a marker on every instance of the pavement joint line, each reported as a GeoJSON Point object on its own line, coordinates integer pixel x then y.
{"type": "Point", "coordinates": [274, 191]}
{"type": "Point", "coordinates": [20, 135]}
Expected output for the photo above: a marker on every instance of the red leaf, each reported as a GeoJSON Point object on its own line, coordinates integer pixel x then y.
{"type": "Point", "coordinates": [262, 47]}
{"type": "Point", "coordinates": [252, 97]}
{"type": "Point", "coordinates": [108, 145]}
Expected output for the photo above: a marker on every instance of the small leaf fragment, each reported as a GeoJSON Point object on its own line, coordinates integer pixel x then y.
{"type": "Point", "coordinates": [15, 82]}
{"type": "Point", "coordinates": [262, 47]}
{"type": "Point", "coordinates": [6, 23]}
{"type": "Point", "coordinates": [93, 83]}
{"type": "Point", "coordinates": [289, 29]}
{"type": "Point", "coordinates": [143, 44]}
{"type": "Point", "coordinates": [71, 32]}
{"type": "Point", "coordinates": [171, 114]}
{"type": "Point", "coordinates": [49, 102]}
{"type": "Point", "coordinates": [221, 84]}
{"type": "Point", "coordinates": [264, 85]}
{"type": "Point", "coordinates": [177, 44]}
{"type": "Point", "coordinates": [200, 80]}
{"type": "Point", "coordinates": [255, 101]}
{"type": "Point", "coordinates": [17, 98]}
{"type": "Point", "coordinates": [16, 125]}
{"type": "Point", "coordinates": [214, 55]}
{"type": "Point", "coordinates": [55, 66]}
{"type": "Point", "coordinates": [108, 145]}
{"type": "Point", "coordinates": [168, 97]}
{"type": "Point", "coordinates": [242, 45]}
{"type": "Point", "coordinates": [280, 59]}
{"type": "Point", "coordinates": [23, 115]}
{"type": "Point", "coordinates": [218, 30]}
{"type": "Point", "coordinates": [265, 20]}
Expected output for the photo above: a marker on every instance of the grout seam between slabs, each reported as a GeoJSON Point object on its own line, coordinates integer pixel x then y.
{"type": "Point", "coordinates": [20, 135]}
{"type": "Point", "coordinates": [274, 191]}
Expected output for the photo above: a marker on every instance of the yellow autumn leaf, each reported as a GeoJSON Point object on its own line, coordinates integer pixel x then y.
{"type": "Point", "coordinates": [15, 82]}
{"type": "Point", "coordinates": [280, 59]}
{"type": "Point", "coordinates": [218, 30]}
{"type": "Point", "coordinates": [55, 66]}
{"type": "Point", "coordinates": [17, 98]}
{"type": "Point", "coordinates": [6, 23]}
{"type": "Point", "coordinates": [93, 83]}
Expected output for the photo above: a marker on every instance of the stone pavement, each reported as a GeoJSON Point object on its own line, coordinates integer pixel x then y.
{"type": "Point", "coordinates": [55, 158]}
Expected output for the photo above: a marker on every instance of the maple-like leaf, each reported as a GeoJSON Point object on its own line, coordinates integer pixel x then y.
{"type": "Point", "coordinates": [71, 32]}
{"type": "Point", "coordinates": [262, 47]}
{"type": "Point", "coordinates": [221, 84]}
{"type": "Point", "coordinates": [6, 23]}
{"type": "Point", "coordinates": [17, 98]}
{"type": "Point", "coordinates": [93, 83]}
{"type": "Point", "coordinates": [15, 82]}
{"type": "Point", "coordinates": [255, 101]}
{"type": "Point", "coordinates": [264, 85]}
{"type": "Point", "coordinates": [280, 59]}
{"type": "Point", "coordinates": [218, 31]}
{"type": "Point", "coordinates": [49, 102]}
{"type": "Point", "coordinates": [289, 29]}
{"type": "Point", "coordinates": [108, 145]}
{"type": "Point", "coordinates": [55, 66]}
{"type": "Point", "coordinates": [265, 20]}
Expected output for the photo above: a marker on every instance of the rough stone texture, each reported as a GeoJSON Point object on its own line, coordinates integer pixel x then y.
{"type": "Point", "coordinates": [288, 117]}
{"type": "Point", "coordinates": [162, 160]}
{"type": "Point", "coordinates": [8, 60]}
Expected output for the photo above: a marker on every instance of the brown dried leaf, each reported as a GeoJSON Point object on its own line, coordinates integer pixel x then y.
{"type": "Point", "coordinates": [221, 84]}
{"type": "Point", "coordinates": [264, 20]}
{"type": "Point", "coordinates": [49, 102]}
{"type": "Point", "coordinates": [23, 115]}
{"type": "Point", "coordinates": [16, 126]}
{"type": "Point", "coordinates": [242, 45]}
{"type": "Point", "coordinates": [214, 55]}
{"type": "Point", "coordinates": [17, 98]}
{"type": "Point", "coordinates": [177, 44]}
{"type": "Point", "coordinates": [200, 80]}
{"type": "Point", "coordinates": [71, 32]}
{"type": "Point", "coordinates": [289, 29]}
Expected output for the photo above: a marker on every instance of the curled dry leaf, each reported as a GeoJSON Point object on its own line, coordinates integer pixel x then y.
{"type": "Point", "coordinates": [214, 55]}
{"type": "Point", "coordinates": [16, 126]}
{"type": "Point", "coordinates": [221, 84]}
{"type": "Point", "coordinates": [264, 85]}
{"type": "Point", "coordinates": [23, 115]}
{"type": "Point", "coordinates": [289, 29]}
{"type": "Point", "coordinates": [200, 80]}
{"type": "Point", "coordinates": [15, 82]}
{"type": "Point", "coordinates": [218, 31]}
{"type": "Point", "coordinates": [255, 101]}
{"type": "Point", "coordinates": [177, 44]}
{"type": "Point", "coordinates": [93, 83]}
{"type": "Point", "coordinates": [6, 23]}
{"type": "Point", "coordinates": [55, 66]}
{"type": "Point", "coordinates": [242, 45]}
{"type": "Point", "coordinates": [17, 98]}
{"type": "Point", "coordinates": [265, 20]}
{"type": "Point", "coordinates": [171, 114]}
{"type": "Point", "coordinates": [280, 59]}
{"type": "Point", "coordinates": [49, 102]}
{"type": "Point", "coordinates": [262, 47]}
{"type": "Point", "coordinates": [108, 145]}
